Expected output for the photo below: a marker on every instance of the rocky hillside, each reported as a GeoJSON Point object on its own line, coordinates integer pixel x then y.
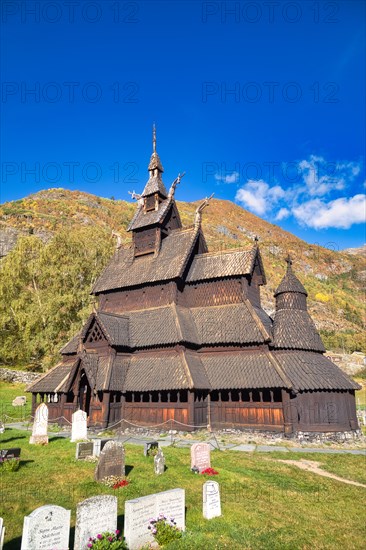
{"type": "Point", "coordinates": [67, 235]}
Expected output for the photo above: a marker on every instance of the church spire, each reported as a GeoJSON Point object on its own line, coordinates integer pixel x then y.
{"type": "Point", "coordinates": [154, 138]}
{"type": "Point", "coordinates": [155, 183]}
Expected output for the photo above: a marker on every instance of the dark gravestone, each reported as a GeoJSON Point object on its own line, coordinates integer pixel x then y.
{"type": "Point", "coordinates": [151, 448]}
{"type": "Point", "coordinates": [111, 461]}
{"type": "Point", "coordinates": [7, 454]}
{"type": "Point", "coordinates": [83, 450]}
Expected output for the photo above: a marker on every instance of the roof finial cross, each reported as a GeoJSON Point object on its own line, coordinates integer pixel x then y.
{"type": "Point", "coordinates": [289, 261]}
{"type": "Point", "coordinates": [154, 138]}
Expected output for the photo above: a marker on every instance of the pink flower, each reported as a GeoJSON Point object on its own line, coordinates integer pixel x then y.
{"type": "Point", "coordinates": [117, 532]}
{"type": "Point", "coordinates": [99, 536]}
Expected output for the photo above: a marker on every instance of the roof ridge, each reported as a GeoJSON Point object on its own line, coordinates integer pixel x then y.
{"type": "Point", "coordinates": [111, 314]}
{"type": "Point", "coordinates": [279, 370]}
{"type": "Point", "coordinates": [262, 329]}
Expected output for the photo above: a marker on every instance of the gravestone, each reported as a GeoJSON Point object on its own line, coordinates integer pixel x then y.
{"type": "Point", "coordinates": [83, 450]}
{"type": "Point", "coordinates": [98, 445]}
{"type": "Point", "coordinates": [46, 528]}
{"type": "Point", "coordinates": [211, 500]}
{"type": "Point", "coordinates": [2, 533]}
{"type": "Point", "coordinates": [150, 446]}
{"type": "Point", "coordinates": [7, 454]}
{"type": "Point", "coordinates": [19, 401]}
{"type": "Point", "coordinates": [111, 461]}
{"type": "Point", "coordinates": [200, 456]}
{"type": "Point", "coordinates": [78, 427]}
{"type": "Point", "coordinates": [159, 463]}
{"type": "Point", "coordinates": [2, 428]}
{"type": "Point", "coordinates": [140, 511]}
{"type": "Point", "coordinates": [39, 433]}
{"type": "Point", "coordinates": [94, 515]}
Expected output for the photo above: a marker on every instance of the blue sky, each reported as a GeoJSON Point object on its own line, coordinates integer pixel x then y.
{"type": "Point", "coordinates": [261, 103]}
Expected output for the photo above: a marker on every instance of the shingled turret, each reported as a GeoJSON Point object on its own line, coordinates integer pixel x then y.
{"type": "Point", "coordinates": [293, 327]}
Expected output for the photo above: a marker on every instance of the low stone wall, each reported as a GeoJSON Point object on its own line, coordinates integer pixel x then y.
{"type": "Point", "coordinates": [19, 376]}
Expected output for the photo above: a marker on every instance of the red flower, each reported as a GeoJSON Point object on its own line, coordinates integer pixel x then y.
{"type": "Point", "coordinates": [209, 472]}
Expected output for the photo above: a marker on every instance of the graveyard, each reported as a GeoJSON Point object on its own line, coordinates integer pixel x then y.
{"type": "Point", "coordinates": [254, 501]}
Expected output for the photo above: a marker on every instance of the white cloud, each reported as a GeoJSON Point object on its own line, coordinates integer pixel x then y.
{"type": "Point", "coordinates": [321, 177]}
{"type": "Point", "coordinates": [258, 196]}
{"type": "Point", "coordinates": [282, 214]}
{"type": "Point", "coordinates": [340, 213]}
{"type": "Point", "coordinates": [229, 178]}
{"type": "Point", "coordinates": [313, 199]}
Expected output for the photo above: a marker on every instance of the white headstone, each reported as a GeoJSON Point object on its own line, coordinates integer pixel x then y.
{"type": "Point", "coordinates": [94, 515]}
{"type": "Point", "coordinates": [46, 528]}
{"type": "Point", "coordinates": [140, 511]}
{"type": "Point", "coordinates": [2, 428]}
{"type": "Point", "coordinates": [200, 456]}
{"type": "Point", "coordinates": [78, 428]}
{"type": "Point", "coordinates": [211, 500]}
{"type": "Point", "coordinates": [2, 533]}
{"type": "Point", "coordinates": [19, 401]}
{"type": "Point", "coordinates": [40, 425]}
{"type": "Point", "coordinates": [159, 462]}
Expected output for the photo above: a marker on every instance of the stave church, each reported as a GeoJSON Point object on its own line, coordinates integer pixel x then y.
{"type": "Point", "coordinates": [179, 337]}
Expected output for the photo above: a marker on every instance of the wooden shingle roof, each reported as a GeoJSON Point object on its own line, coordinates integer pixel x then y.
{"type": "Point", "coordinates": [144, 219]}
{"type": "Point", "coordinates": [295, 329]}
{"type": "Point", "coordinates": [54, 380]}
{"type": "Point", "coordinates": [72, 345]}
{"type": "Point", "coordinates": [235, 370]}
{"type": "Point", "coordinates": [313, 371]}
{"type": "Point", "coordinates": [233, 323]}
{"type": "Point", "coordinates": [221, 264]}
{"type": "Point", "coordinates": [290, 283]}
{"type": "Point", "coordinates": [170, 371]}
{"type": "Point", "coordinates": [126, 271]}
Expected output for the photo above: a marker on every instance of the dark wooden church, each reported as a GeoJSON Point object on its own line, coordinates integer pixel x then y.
{"type": "Point", "coordinates": [180, 335]}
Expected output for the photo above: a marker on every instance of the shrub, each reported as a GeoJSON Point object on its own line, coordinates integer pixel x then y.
{"type": "Point", "coordinates": [107, 541]}
{"type": "Point", "coordinates": [11, 465]}
{"type": "Point", "coordinates": [164, 530]}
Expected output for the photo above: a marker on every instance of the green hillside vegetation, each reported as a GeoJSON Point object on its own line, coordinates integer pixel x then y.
{"type": "Point", "coordinates": [45, 282]}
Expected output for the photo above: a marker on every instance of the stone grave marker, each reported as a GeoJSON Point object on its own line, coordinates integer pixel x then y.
{"type": "Point", "coordinates": [211, 500]}
{"type": "Point", "coordinates": [2, 428]}
{"type": "Point", "coordinates": [200, 456]}
{"type": "Point", "coordinates": [159, 462]}
{"type": "Point", "coordinates": [83, 450]}
{"type": "Point", "coordinates": [98, 445]}
{"type": "Point", "coordinates": [40, 425]}
{"type": "Point", "coordinates": [19, 401]}
{"type": "Point", "coordinates": [46, 528]}
{"type": "Point", "coordinates": [78, 427]}
{"type": "Point", "coordinates": [111, 461]}
{"type": "Point", "coordinates": [138, 513]}
{"type": "Point", "coordinates": [7, 454]}
{"type": "Point", "coordinates": [150, 446]}
{"type": "Point", "coordinates": [94, 515]}
{"type": "Point", "coordinates": [2, 533]}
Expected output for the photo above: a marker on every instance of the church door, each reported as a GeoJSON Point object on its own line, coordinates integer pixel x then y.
{"type": "Point", "coordinates": [84, 394]}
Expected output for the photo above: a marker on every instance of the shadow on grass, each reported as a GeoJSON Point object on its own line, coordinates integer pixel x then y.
{"type": "Point", "coordinates": [128, 469]}
{"type": "Point", "coordinates": [24, 463]}
{"type": "Point", "coordinates": [12, 439]}
{"type": "Point", "coordinates": [13, 544]}
{"type": "Point", "coordinates": [55, 438]}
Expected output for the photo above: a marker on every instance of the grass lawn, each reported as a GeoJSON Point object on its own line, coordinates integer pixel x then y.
{"type": "Point", "coordinates": [265, 504]}
{"type": "Point", "coordinates": [361, 394]}
{"type": "Point", "coordinates": [8, 392]}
